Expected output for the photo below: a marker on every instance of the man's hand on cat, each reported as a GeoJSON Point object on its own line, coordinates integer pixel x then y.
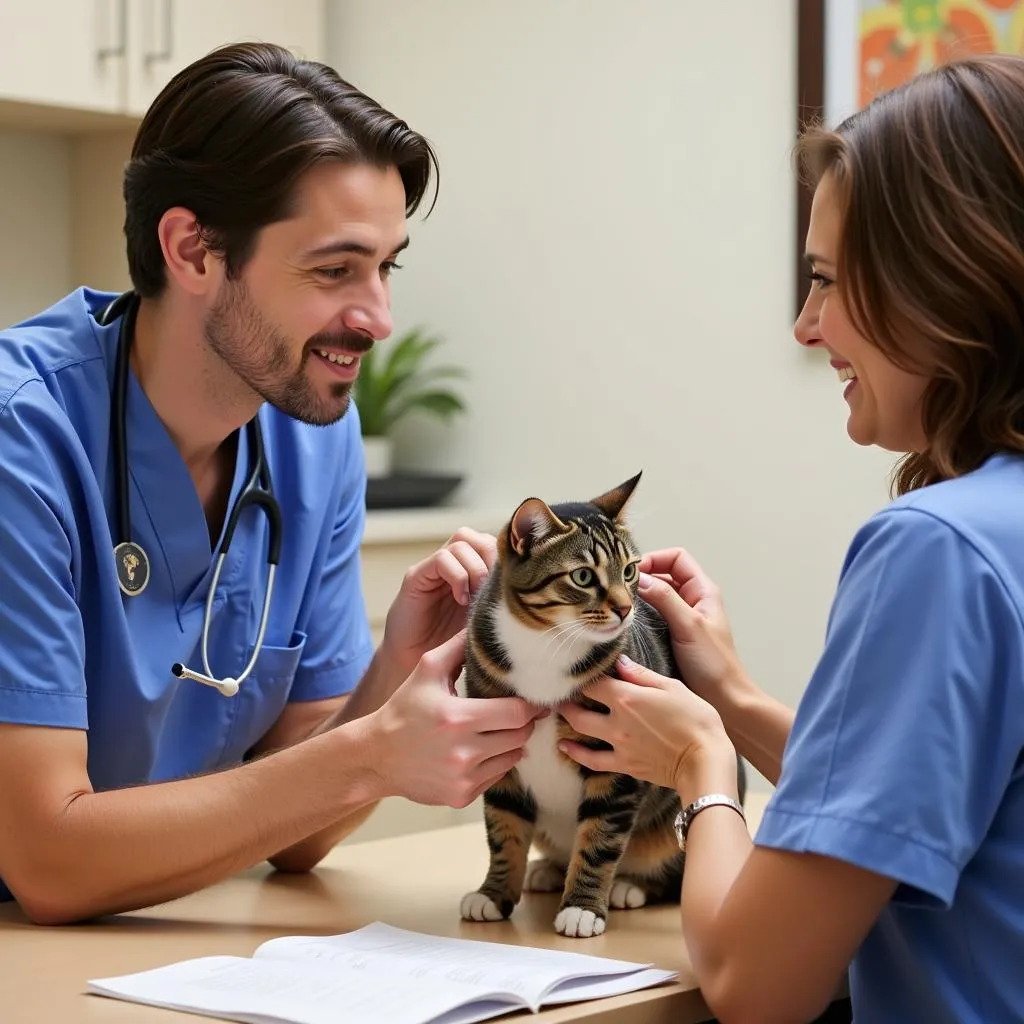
{"type": "Point", "coordinates": [433, 602]}
{"type": "Point", "coordinates": [659, 730]}
{"type": "Point", "coordinates": [677, 588]}
{"type": "Point", "coordinates": [435, 747]}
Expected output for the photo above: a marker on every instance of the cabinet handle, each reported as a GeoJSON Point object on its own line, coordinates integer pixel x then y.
{"type": "Point", "coordinates": [165, 52]}
{"type": "Point", "coordinates": [122, 34]}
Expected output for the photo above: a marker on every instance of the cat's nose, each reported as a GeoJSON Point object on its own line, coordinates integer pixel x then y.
{"type": "Point", "coordinates": [622, 610]}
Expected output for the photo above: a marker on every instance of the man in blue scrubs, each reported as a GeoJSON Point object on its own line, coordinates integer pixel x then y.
{"type": "Point", "coordinates": [266, 202]}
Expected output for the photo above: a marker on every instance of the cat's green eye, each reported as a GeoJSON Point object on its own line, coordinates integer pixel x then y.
{"type": "Point", "coordinates": [629, 573]}
{"type": "Point", "coordinates": [582, 577]}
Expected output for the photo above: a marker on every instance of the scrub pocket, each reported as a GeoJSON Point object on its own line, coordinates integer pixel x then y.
{"type": "Point", "coordinates": [263, 695]}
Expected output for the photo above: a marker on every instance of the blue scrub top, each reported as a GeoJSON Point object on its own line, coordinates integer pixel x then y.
{"type": "Point", "coordinates": [74, 651]}
{"type": "Point", "coordinates": [907, 754]}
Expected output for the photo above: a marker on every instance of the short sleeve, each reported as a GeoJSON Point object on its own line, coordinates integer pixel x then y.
{"type": "Point", "coordinates": [42, 643]}
{"type": "Point", "coordinates": [909, 730]}
{"type": "Point", "coordinates": [339, 645]}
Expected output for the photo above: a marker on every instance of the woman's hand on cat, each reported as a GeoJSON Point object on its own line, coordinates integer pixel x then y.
{"type": "Point", "coordinates": [434, 747]}
{"type": "Point", "coordinates": [659, 730]}
{"type": "Point", "coordinates": [684, 595]}
{"type": "Point", "coordinates": [433, 602]}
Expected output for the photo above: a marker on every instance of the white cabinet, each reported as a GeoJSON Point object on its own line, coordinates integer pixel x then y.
{"type": "Point", "coordinates": [64, 53]}
{"type": "Point", "coordinates": [113, 56]}
{"type": "Point", "coordinates": [166, 35]}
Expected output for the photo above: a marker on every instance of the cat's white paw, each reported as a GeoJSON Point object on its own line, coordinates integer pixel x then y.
{"type": "Point", "coordinates": [543, 876]}
{"type": "Point", "coordinates": [576, 923]}
{"type": "Point", "coordinates": [625, 895]}
{"type": "Point", "coordinates": [476, 906]}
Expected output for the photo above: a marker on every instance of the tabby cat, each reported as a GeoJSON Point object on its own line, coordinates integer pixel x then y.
{"type": "Point", "coordinates": [558, 608]}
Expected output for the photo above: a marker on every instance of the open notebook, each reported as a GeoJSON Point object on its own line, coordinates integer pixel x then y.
{"type": "Point", "coordinates": [379, 973]}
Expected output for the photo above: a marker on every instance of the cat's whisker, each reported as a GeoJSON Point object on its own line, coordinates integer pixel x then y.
{"type": "Point", "coordinates": [560, 630]}
{"type": "Point", "coordinates": [566, 628]}
{"type": "Point", "coordinates": [557, 627]}
{"type": "Point", "coordinates": [644, 642]}
{"type": "Point", "coordinates": [569, 637]}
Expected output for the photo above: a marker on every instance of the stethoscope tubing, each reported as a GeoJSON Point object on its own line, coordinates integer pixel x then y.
{"type": "Point", "coordinates": [258, 490]}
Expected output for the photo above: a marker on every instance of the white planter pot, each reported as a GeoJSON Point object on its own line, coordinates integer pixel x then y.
{"type": "Point", "coordinates": [377, 452]}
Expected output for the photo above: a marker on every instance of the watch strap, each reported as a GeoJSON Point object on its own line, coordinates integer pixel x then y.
{"type": "Point", "coordinates": [686, 815]}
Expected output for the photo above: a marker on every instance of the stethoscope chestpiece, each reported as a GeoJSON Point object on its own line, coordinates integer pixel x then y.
{"type": "Point", "coordinates": [227, 687]}
{"type": "Point", "coordinates": [132, 564]}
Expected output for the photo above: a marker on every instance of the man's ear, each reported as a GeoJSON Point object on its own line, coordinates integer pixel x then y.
{"type": "Point", "coordinates": [533, 521]}
{"type": "Point", "coordinates": [186, 256]}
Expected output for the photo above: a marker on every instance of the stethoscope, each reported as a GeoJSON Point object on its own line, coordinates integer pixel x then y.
{"type": "Point", "coordinates": [130, 558]}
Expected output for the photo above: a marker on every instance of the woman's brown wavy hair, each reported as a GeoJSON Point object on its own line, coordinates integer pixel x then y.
{"type": "Point", "coordinates": [930, 179]}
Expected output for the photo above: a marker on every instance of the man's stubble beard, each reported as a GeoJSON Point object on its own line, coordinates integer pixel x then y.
{"type": "Point", "coordinates": [260, 356]}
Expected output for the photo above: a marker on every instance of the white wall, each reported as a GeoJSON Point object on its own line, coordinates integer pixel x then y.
{"type": "Point", "coordinates": [35, 251]}
{"type": "Point", "coordinates": [97, 209]}
{"type": "Point", "coordinates": [61, 215]}
{"type": "Point", "coordinates": [611, 257]}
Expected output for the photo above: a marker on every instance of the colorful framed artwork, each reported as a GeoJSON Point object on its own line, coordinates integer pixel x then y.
{"type": "Point", "coordinates": [849, 51]}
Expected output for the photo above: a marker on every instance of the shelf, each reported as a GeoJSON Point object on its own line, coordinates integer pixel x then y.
{"type": "Point", "coordinates": [41, 117]}
{"type": "Point", "coordinates": [435, 524]}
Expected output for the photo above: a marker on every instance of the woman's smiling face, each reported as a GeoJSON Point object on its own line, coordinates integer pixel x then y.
{"type": "Point", "coordinates": [884, 400]}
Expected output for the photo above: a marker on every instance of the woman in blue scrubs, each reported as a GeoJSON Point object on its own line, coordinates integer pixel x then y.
{"type": "Point", "coordinates": [895, 836]}
{"type": "Point", "coordinates": [266, 204]}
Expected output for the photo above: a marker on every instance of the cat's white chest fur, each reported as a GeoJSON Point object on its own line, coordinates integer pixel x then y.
{"type": "Point", "coordinates": [556, 786]}
{"type": "Point", "coordinates": [540, 659]}
{"type": "Point", "coordinates": [540, 674]}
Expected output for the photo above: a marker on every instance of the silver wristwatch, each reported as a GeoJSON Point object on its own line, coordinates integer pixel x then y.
{"type": "Point", "coordinates": [687, 814]}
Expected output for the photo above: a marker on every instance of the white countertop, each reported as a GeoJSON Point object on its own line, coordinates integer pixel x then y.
{"type": "Point", "coordinates": [437, 523]}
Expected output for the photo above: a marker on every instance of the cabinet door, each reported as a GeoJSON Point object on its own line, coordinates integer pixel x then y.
{"type": "Point", "coordinates": [66, 53]}
{"type": "Point", "coordinates": [167, 35]}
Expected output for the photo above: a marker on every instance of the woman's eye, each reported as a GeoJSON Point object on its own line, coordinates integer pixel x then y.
{"type": "Point", "coordinates": [582, 577]}
{"type": "Point", "coordinates": [629, 573]}
{"type": "Point", "coordinates": [820, 279]}
{"type": "Point", "coordinates": [389, 267]}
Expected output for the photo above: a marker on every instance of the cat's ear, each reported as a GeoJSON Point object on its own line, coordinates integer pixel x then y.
{"type": "Point", "coordinates": [612, 502]}
{"type": "Point", "coordinates": [533, 521]}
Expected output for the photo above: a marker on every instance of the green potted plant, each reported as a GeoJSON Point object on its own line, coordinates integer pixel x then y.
{"type": "Point", "coordinates": [393, 382]}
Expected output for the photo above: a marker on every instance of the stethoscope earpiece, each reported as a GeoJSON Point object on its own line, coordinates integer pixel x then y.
{"type": "Point", "coordinates": [131, 560]}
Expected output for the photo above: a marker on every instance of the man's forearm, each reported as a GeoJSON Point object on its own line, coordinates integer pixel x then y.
{"type": "Point", "coordinates": [128, 848]}
{"type": "Point", "coordinates": [382, 678]}
{"type": "Point", "coordinates": [758, 726]}
{"type": "Point", "coordinates": [307, 853]}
